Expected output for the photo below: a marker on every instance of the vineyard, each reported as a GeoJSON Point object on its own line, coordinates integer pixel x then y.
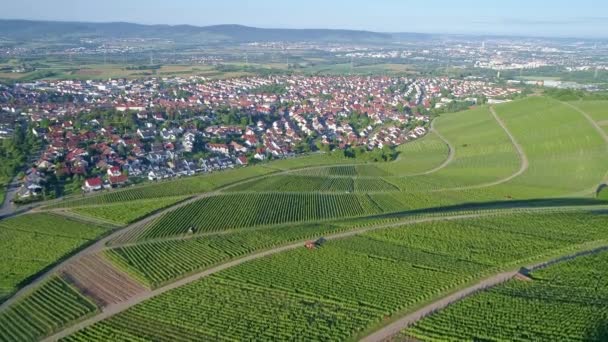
{"type": "Point", "coordinates": [161, 261]}
{"type": "Point", "coordinates": [128, 212]}
{"type": "Point", "coordinates": [293, 183]}
{"type": "Point", "coordinates": [598, 110]}
{"type": "Point", "coordinates": [30, 243]}
{"type": "Point", "coordinates": [232, 211]}
{"type": "Point", "coordinates": [45, 310]}
{"type": "Point", "coordinates": [565, 302]}
{"type": "Point", "coordinates": [347, 285]}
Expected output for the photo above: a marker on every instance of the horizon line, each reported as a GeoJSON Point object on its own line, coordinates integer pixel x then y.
{"type": "Point", "coordinates": [437, 33]}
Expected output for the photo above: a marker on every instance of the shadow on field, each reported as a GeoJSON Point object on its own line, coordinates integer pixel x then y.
{"type": "Point", "coordinates": [512, 204]}
{"type": "Point", "coordinates": [598, 332]}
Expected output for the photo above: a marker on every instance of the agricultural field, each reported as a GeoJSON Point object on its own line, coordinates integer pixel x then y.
{"type": "Point", "coordinates": [598, 110]}
{"type": "Point", "coordinates": [312, 160]}
{"type": "Point", "coordinates": [46, 309]}
{"type": "Point", "coordinates": [347, 286]}
{"type": "Point", "coordinates": [483, 154]}
{"type": "Point", "coordinates": [30, 243]}
{"type": "Point", "coordinates": [418, 156]}
{"type": "Point", "coordinates": [124, 213]}
{"type": "Point", "coordinates": [603, 193]}
{"type": "Point", "coordinates": [158, 262]}
{"type": "Point", "coordinates": [568, 147]}
{"type": "Point", "coordinates": [564, 302]}
{"type": "Point", "coordinates": [231, 211]}
{"type": "Point", "coordinates": [298, 183]}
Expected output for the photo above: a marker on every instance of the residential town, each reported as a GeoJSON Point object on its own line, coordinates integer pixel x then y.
{"type": "Point", "coordinates": [104, 134]}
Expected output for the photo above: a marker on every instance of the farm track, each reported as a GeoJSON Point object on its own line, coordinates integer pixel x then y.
{"type": "Point", "coordinates": [387, 332]}
{"type": "Point", "coordinates": [92, 249]}
{"type": "Point", "coordinates": [524, 163]}
{"type": "Point", "coordinates": [114, 309]}
{"type": "Point", "coordinates": [82, 218]}
{"type": "Point", "coordinates": [403, 220]}
{"type": "Point", "coordinates": [598, 128]}
{"type": "Point", "coordinates": [447, 161]}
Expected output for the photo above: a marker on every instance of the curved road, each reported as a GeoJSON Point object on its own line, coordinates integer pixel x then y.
{"type": "Point", "coordinates": [603, 134]}
{"type": "Point", "coordinates": [396, 327]}
{"type": "Point", "coordinates": [94, 248]}
{"type": "Point", "coordinates": [451, 153]}
{"type": "Point", "coordinates": [8, 207]}
{"type": "Point", "coordinates": [524, 162]}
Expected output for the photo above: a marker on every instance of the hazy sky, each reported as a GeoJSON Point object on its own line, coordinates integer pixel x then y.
{"type": "Point", "coordinates": [580, 18]}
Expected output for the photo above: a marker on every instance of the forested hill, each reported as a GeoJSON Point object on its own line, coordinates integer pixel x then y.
{"type": "Point", "coordinates": [27, 30]}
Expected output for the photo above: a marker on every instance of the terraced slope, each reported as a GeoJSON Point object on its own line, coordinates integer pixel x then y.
{"type": "Point", "coordinates": [565, 302]}
{"type": "Point", "coordinates": [30, 243]}
{"type": "Point", "coordinates": [346, 286]}
{"type": "Point", "coordinates": [224, 212]}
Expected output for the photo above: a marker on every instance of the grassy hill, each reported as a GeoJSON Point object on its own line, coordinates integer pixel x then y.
{"type": "Point", "coordinates": [28, 30]}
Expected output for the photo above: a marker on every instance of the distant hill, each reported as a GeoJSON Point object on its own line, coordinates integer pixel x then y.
{"type": "Point", "coordinates": [29, 30]}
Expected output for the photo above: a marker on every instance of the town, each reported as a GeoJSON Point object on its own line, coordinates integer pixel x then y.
{"type": "Point", "coordinates": [104, 134]}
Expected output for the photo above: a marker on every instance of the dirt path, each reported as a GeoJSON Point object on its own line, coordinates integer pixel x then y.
{"type": "Point", "coordinates": [524, 163]}
{"type": "Point", "coordinates": [396, 327]}
{"type": "Point", "coordinates": [92, 249]}
{"type": "Point", "coordinates": [120, 307]}
{"type": "Point", "coordinates": [449, 159]}
{"type": "Point", "coordinates": [603, 123]}
{"type": "Point", "coordinates": [599, 129]}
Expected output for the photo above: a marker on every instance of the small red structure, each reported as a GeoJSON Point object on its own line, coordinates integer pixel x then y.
{"type": "Point", "coordinates": [310, 245]}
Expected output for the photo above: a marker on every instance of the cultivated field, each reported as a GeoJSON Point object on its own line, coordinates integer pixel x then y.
{"type": "Point", "coordinates": [30, 243]}
{"type": "Point", "coordinates": [565, 302]}
{"type": "Point", "coordinates": [347, 286]}
{"type": "Point", "coordinates": [48, 308]}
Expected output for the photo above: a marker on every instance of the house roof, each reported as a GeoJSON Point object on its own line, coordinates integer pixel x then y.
{"type": "Point", "coordinates": [94, 182]}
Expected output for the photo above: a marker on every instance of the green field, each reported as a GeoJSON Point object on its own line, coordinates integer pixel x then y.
{"type": "Point", "coordinates": [30, 243]}
{"type": "Point", "coordinates": [346, 286]}
{"type": "Point", "coordinates": [124, 213]}
{"type": "Point", "coordinates": [565, 302]}
{"type": "Point", "coordinates": [480, 145]}
{"type": "Point", "coordinates": [232, 211]}
{"type": "Point", "coordinates": [48, 308]}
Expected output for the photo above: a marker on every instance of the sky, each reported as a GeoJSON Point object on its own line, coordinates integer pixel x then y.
{"type": "Point", "coordinates": [547, 18]}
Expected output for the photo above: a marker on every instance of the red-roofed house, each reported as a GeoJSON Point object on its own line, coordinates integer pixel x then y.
{"type": "Point", "coordinates": [114, 171]}
{"type": "Point", "coordinates": [118, 180]}
{"type": "Point", "coordinates": [93, 184]}
{"type": "Point", "coordinates": [241, 160]}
